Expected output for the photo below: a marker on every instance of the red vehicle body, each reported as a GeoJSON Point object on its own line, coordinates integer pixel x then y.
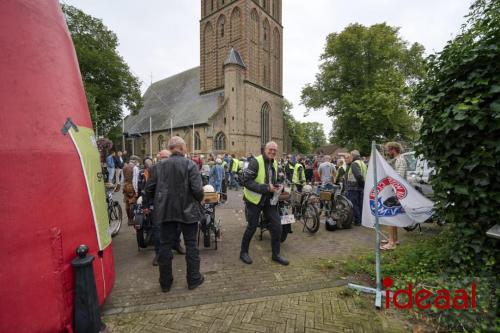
{"type": "Point", "coordinates": [45, 208]}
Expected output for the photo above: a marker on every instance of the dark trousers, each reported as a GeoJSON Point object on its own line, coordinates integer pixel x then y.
{"type": "Point", "coordinates": [156, 237]}
{"type": "Point", "coordinates": [356, 198]}
{"type": "Point", "coordinates": [168, 235]}
{"type": "Point", "coordinates": [252, 215]}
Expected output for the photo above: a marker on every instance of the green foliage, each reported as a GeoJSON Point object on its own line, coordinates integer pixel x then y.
{"type": "Point", "coordinates": [314, 134]}
{"type": "Point", "coordinates": [459, 102]}
{"type": "Point", "coordinates": [424, 263]}
{"type": "Point", "coordinates": [365, 81]}
{"type": "Point", "coordinates": [296, 132]}
{"type": "Point", "coordinates": [109, 84]}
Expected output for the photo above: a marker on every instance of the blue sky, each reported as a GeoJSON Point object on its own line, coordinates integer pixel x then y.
{"type": "Point", "coordinates": [146, 28]}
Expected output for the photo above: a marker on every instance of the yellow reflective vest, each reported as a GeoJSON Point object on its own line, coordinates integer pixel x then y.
{"type": "Point", "coordinates": [299, 175]}
{"type": "Point", "coordinates": [254, 197]}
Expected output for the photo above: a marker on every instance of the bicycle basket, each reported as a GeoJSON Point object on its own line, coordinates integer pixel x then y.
{"type": "Point", "coordinates": [325, 195]}
{"type": "Point", "coordinates": [210, 197]}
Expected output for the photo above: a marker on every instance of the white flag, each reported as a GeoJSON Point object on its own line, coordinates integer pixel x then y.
{"type": "Point", "coordinates": [399, 204]}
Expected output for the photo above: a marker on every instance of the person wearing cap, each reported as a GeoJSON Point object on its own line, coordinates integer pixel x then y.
{"type": "Point", "coordinates": [355, 183]}
{"type": "Point", "coordinates": [398, 163]}
{"type": "Point", "coordinates": [177, 191]}
{"type": "Point", "coordinates": [259, 181]}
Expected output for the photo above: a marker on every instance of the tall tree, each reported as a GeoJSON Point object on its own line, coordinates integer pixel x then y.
{"type": "Point", "coordinates": [300, 143]}
{"type": "Point", "coordinates": [365, 81]}
{"type": "Point", "coordinates": [314, 134]}
{"type": "Point", "coordinates": [109, 84]}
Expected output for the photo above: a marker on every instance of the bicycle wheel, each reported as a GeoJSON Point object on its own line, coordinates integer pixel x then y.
{"type": "Point", "coordinates": [206, 237]}
{"type": "Point", "coordinates": [411, 227]}
{"type": "Point", "coordinates": [311, 218]}
{"type": "Point", "coordinates": [342, 212]}
{"type": "Point", "coordinates": [115, 219]}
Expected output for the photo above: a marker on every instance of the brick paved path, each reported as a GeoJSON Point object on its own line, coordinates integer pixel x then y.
{"type": "Point", "coordinates": [262, 297]}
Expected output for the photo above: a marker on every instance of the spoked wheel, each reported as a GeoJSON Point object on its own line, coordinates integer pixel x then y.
{"type": "Point", "coordinates": [206, 237]}
{"type": "Point", "coordinates": [115, 219]}
{"type": "Point", "coordinates": [311, 218]}
{"type": "Point", "coordinates": [342, 212]}
{"type": "Point", "coordinates": [412, 227]}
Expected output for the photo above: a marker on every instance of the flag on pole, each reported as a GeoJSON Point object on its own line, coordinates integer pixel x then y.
{"type": "Point", "coordinates": [399, 204]}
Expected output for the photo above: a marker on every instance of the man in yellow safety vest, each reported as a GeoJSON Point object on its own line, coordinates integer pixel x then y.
{"type": "Point", "coordinates": [299, 175]}
{"type": "Point", "coordinates": [260, 178]}
{"type": "Point", "coordinates": [355, 183]}
{"type": "Point", "coordinates": [233, 172]}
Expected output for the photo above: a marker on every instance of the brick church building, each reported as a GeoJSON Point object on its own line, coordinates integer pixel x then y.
{"type": "Point", "coordinates": [233, 101]}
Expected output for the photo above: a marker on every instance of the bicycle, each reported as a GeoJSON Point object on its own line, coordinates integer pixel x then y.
{"type": "Point", "coordinates": [336, 206]}
{"type": "Point", "coordinates": [208, 226]}
{"type": "Point", "coordinates": [115, 213]}
{"type": "Point", "coordinates": [305, 209]}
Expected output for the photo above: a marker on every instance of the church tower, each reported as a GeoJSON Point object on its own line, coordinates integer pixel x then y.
{"type": "Point", "coordinates": [241, 55]}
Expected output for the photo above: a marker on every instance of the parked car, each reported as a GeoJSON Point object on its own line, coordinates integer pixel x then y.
{"type": "Point", "coordinates": [419, 173]}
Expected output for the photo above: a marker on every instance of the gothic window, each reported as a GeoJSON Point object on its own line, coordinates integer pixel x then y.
{"type": "Point", "coordinates": [276, 61]}
{"type": "Point", "coordinates": [266, 55]}
{"type": "Point", "coordinates": [221, 50]}
{"type": "Point", "coordinates": [264, 124]}
{"type": "Point", "coordinates": [221, 23]}
{"type": "Point", "coordinates": [212, 6]}
{"type": "Point", "coordinates": [267, 40]}
{"type": "Point", "coordinates": [276, 9]}
{"type": "Point", "coordinates": [220, 141]}
{"type": "Point", "coordinates": [235, 24]}
{"type": "Point", "coordinates": [161, 143]}
{"type": "Point", "coordinates": [197, 141]}
{"type": "Point", "coordinates": [209, 56]}
{"type": "Point", "coordinates": [254, 46]}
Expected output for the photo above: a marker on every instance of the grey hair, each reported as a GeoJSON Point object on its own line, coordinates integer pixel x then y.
{"type": "Point", "coordinates": [355, 153]}
{"type": "Point", "coordinates": [271, 143]}
{"type": "Point", "coordinates": [176, 142]}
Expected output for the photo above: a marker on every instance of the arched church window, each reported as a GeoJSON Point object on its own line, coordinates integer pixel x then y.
{"type": "Point", "coordinates": [220, 141]}
{"type": "Point", "coordinates": [161, 143]}
{"type": "Point", "coordinates": [235, 24]}
{"type": "Point", "coordinates": [197, 141]}
{"type": "Point", "coordinates": [264, 124]}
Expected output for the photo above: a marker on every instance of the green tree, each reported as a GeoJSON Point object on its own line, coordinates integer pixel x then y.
{"type": "Point", "coordinates": [109, 84]}
{"type": "Point", "coordinates": [296, 132]}
{"type": "Point", "coordinates": [314, 134]}
{"type": "Point", "coordinates": [365, 81]}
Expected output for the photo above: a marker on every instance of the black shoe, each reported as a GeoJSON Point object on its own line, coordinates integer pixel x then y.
{"type": "Point", "coordinates": [245, 258]}
{"type": "Point", "coordinates": [155, 260]}
{"type": "Point", "coordinates": [279, 259]}
{"type": "Point", "coordinates": [165, 289]}
{"type": "Point", "coordinates": [197, 284]}
{"type": "Point", "coordinates": [179, 249]}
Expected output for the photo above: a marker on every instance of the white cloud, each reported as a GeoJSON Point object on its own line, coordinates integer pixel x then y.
{"type": "Point", "coordinates": [162, 37]}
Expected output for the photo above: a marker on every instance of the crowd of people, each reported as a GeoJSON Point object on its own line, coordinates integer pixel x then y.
{"type": "Point", "coordinates": [172, 187]}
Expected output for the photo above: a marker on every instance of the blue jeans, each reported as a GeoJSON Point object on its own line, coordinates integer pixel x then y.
{"type": "Point", "coordinates": [356, 198]}
{"type": "Point", "coordinates": [233, 181]}
{"type": "Point", "coordinates": [111, 174]}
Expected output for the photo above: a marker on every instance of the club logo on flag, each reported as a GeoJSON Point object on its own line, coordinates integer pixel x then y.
{"type": "Point", "coordinates": [390, 192]}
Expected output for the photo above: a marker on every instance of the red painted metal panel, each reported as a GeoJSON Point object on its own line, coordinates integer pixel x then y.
{"type": "Point", "coordinates": [44, 206]}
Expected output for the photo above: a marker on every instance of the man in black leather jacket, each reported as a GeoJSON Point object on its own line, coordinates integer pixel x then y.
{"type": "Point", "coordinates": [177, 189]}
{"type": "Point", "coordinates": [260, 179]}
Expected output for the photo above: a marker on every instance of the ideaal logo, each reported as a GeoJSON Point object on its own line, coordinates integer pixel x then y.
{"type": "Point", "coordinates": [443, 299]}
{"type": "Point", "coordinates": [390, 192]}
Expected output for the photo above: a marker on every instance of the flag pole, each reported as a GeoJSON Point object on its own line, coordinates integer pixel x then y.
{"type": "Point", "coordinates": [378, 295]}
{"type": "Point", "coordinates": [378, 290]}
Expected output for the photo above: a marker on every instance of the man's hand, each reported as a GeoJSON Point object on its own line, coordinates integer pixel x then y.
{"type": "Point", "coordinates": [145, 211]}
{"type": "Point", "coordinates": [272, 188]}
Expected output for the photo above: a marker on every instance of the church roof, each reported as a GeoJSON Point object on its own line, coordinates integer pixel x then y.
{"type": "Point", "coordinates": [234, 58]}
{"type": "Point", "coordinates": [177, 98]}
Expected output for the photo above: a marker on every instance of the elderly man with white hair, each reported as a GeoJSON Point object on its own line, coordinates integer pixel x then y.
{"type": "Point", "coordinates": [260, 181]}
{"type": "Point", "coordinates": [177, 190]}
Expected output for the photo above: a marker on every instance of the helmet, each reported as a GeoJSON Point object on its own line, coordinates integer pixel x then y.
{"type": "Point", "coordinates": [208, 188]}
{"type": "Point", "coordinates": [307, 189]}
{"type": "Point", "coordinates": [330, 224]}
